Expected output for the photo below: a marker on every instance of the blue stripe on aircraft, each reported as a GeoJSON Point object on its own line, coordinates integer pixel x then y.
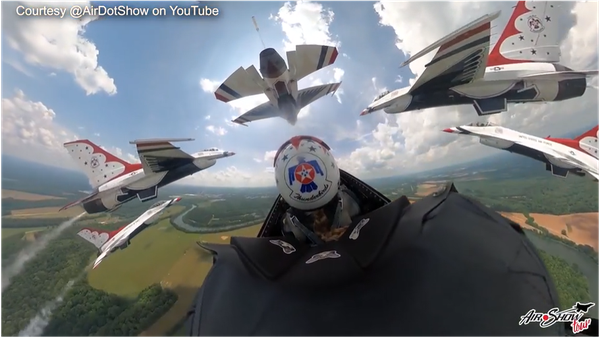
{"type": "Point", "coordinates": [322, 57]}
{"type": "Point", "coordinates": [230, 91]}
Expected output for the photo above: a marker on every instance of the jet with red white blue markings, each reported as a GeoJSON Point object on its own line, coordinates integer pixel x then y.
{"type": "Point", "coordinates": [116, 181]}
{"type": "Point", "coordinates": [279, 82]}
{"type": "Point", "coordinates": [522, 67]}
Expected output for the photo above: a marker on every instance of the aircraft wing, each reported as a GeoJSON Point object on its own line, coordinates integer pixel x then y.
{"type": "Point", "coordinates": [261, 112]}
{"type": "Point", "coordinates": [242, 83]}
{"type": "Point", "coordinates": [100, 259]}
{"type": "Point", "coordinates": [307, 59]}
{"type": "Point", "coordinates": [559, 76]}
{"type": "Point", "coordinates": [461, 57]}
{"type": "Point", "coordinates": [148, 217]}
{"type": "Point", "coordinates": [79, 201]}
{"type": "Point", "coordinates": [308, 95]}
{"type": "Point", "coordinates": [158, 155]}
{"type": "Point", "coordinates": [563, 157]}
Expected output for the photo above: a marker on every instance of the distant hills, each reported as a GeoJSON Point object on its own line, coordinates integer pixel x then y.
{"type": "Point", "coordinates": [36, 178]}
{"type": "Point", "coordinates": [32, 177]}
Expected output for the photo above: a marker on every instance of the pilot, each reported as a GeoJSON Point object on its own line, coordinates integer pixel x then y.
{"type": "Point", "coordinates": [305, 163]}
{"type": "Point", "coordinates": [443, 265]}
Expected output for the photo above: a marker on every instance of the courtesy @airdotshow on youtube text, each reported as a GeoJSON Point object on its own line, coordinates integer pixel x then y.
{"type": "Point", "coordinates": [81, 11]}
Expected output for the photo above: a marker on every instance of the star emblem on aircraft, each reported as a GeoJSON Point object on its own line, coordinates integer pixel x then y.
{"type": "Point", "coordinates": [533, 52]}
{"type": "Point", "coordinates": [521, 37]}
{"type": "Point", "coordinates": [547, 18]}
{"type": "Point", "coordinates": [284, 158]}
{"type": "Point", "coordinates": [311, 148]}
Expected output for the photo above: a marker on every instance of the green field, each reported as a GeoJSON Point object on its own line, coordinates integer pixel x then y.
{"type": "Point", "coordinates": [146, 261]}
{"type": "Point", "coordinates": [7, 232]}
{"type": "Point", "coordinates": [163, 256]}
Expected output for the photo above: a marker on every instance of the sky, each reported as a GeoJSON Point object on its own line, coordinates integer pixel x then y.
{"type": "Point", "coordinates": [117, 79]}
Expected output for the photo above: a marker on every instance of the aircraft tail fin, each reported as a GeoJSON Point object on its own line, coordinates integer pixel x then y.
{"type": "Point", "coordinates": [593, 133]}
{"type": "Point", "coordinates": [99, 165]}
{"type": "Point", "coordinates": [531, 35]}
{"type": "Point", "coordinates": [588, 141]}
{"type": "Point", "coordinates": [97, 237]}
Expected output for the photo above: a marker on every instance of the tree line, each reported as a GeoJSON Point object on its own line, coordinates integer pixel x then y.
{"type": "Point", "coordinates": [547, 195]}
{"type": "Point", "coordinates": [92, 312]}
{"type": "Point", "coordinates": [85, 310]}
{"type": "Point", "coordinates": [570, 283]}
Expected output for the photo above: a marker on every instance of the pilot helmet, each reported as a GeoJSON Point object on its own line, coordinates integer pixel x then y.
{"type": "Point", "coordinates": [308, 179]}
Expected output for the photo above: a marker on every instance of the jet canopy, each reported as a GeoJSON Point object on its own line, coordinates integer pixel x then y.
{"type": "Point", "coordinates": [212, 149]}
{"type": "Point", "coordinates": [159, 203]}
{"type": "Point", "coordinates": [381, 95]}
{"type": "Point", "coordinates": [481, 124]}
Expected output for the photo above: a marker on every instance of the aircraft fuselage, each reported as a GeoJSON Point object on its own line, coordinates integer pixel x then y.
{"type": "Point", "coordinates": [122, 189]}
{"type": "Point", "coordinates": [557, 166]}
{"type": "Point", "coordinates": [499, 83]}
{"type": "Point", "coordinates": [283, 89]}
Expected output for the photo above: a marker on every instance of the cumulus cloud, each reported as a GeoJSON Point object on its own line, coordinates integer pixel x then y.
{"type": "Point", "coordinates": [29, 129]}
{"type": "Point", "coordinates": [231, 176]}
{"type": "Point", "coordinates": [58, 44]}
{"type": "Point", "coordinates": [408, 141]}
{"type": "Point", "coordinates": [220, 131]}
{"type": "Point", "coordinates": [305, 22]}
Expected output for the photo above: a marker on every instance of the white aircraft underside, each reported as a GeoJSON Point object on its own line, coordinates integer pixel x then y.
{"type": "Point", "coordinates": [560, 159]}
{"type": "Point", "coordinates": [280, 83]}
{"type": "Point", "coordinates": [116, 181]}
{"type": "Point", "coordinates": [108, 242]}
{"type": "Point", "coordinates": [522, 67]}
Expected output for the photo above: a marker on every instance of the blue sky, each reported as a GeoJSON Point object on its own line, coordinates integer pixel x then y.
{"type": "Point", "coordinates": [158, 65]}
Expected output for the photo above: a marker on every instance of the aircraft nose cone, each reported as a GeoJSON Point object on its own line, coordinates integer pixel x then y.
{"type": "Point", "coordinates": [364, 112]}
{"type": "Point", "coordinates": [449, 130]}
{"type": "Point", "coordinates": [230, 153]}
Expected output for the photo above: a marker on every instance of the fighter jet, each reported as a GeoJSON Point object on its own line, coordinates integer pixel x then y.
{"type": "Point", "coordinates": [522, 67]}
{"type": "Point", "coordinates": [116, 181]}
{"type": "Point", "coordinates": [280, 83]}
{"type": "Point", "coordinates": [561, 156]}
{"type": "Point", "coordinates": [108, 242]}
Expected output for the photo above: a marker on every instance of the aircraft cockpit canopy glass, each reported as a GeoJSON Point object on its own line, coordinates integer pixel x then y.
{"type": "Point", "coordinates": [481, 124]}
{"type": "Point", "coordinates": [381, 95]}
{"type": "Point", "coordinates": [157, 204]}
{"type": "Point", "coordinates": [212, 149]}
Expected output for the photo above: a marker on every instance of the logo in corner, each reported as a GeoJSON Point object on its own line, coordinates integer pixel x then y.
{"type": "Point", "coordinates": [285, 246]}
{"type": "Point", "coordinates": [356, 232]}
{"type": "Point", "coordinates": [323, 255]}
{"type": "Point", "coordinates": [535, 24]}
{"type": "Point", "coordinates": [571, 315]}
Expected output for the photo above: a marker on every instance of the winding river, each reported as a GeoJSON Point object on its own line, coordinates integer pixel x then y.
{"type": "Point", "coordinates": [180, 224]}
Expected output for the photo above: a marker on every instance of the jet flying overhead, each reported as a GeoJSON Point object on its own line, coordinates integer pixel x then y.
{"type": "Point", "coordinates": [561, 156]}
{"type": "Point", "coordinates": [108, 242]}
{"type": "Point", "coordinates": [116, 181]}
{"type": "Point", "coordinates": [279, 82]}
{"type": "Point", "coordinates": [522, 66]}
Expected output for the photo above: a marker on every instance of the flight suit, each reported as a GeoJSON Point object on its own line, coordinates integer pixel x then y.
{"type": "Point", "coordinates": [445, 265]}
